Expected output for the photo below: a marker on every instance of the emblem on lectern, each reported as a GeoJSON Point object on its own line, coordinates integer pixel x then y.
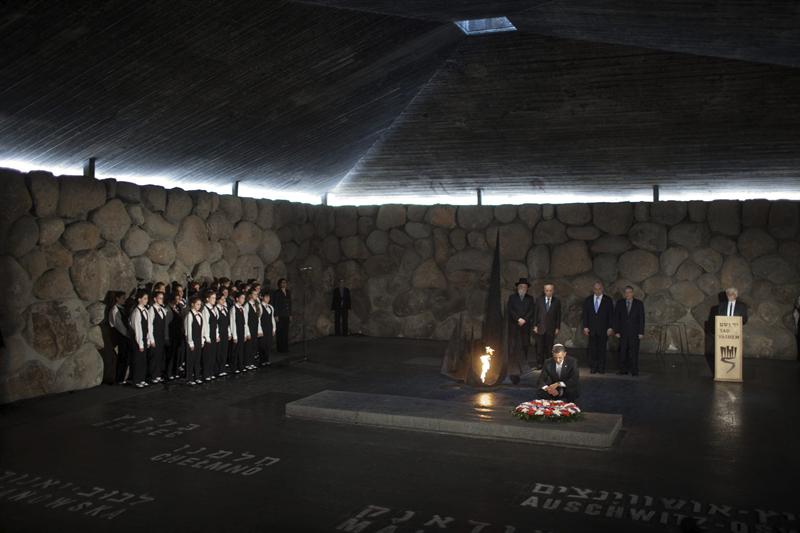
{"type": "Point", "coordinates": [728, 356]}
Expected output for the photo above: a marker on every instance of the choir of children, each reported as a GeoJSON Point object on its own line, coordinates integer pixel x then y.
{"type": "Point", "coordinates": [222, 328]}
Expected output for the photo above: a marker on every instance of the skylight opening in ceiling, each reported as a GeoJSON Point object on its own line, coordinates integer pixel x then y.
{"type": "Point", "coordinates": [490, 25]}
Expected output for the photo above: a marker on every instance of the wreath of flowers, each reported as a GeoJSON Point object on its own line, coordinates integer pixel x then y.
{"type": "Point", "coordinates": [549, 410]}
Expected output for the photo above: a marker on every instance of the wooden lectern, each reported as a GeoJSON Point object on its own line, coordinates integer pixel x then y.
{"type": "Point", "coordinates": [728, 348]}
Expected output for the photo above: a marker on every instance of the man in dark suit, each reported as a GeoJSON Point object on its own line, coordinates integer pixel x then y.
{"type": "Point", "coordinates": [731, 306]}
{"type": "Point", "coordinates": [546, 324]}
{"type": "Point", "coordinates": [560, 378]}
{"type": "Point", "coordinates": [340, 305]}
{"type": "Point", "coordinates": [597, 318]}
{"type": "Point", "coordinates": [629, 328]}
{"type": "Point", "coordinates": [519, 311]}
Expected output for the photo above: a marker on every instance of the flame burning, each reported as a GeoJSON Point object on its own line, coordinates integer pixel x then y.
{"type": "Point", "coordinates": [486, 363]}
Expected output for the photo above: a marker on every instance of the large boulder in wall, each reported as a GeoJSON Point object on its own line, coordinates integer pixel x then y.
{"type": "Point", "coordinates": [570, 259]}
{"type": "Point", "coordinates": [428, 275]}
{"type": "Point", "coordinates": [191, 242]}
{"type": "Point", "coordinates": [390, 216]}
{"type": "Point", "coordinates": [16, 198]}
{"type": "Point", "coordinates": [247, 237]}
{"type": "Point", "coordinates": [79, 195]}
{"type": "Point", "coordinates": [270, 247]}
{"type": "Point", "coordinates": [81, 370]}
{"type": "Point", "coordinates": [515, 240]}
{"type": "Point", "coordinates": [614, 218]}
{"type": "Point", "coordinates": [474, 217]}
{"type": "Point", "coordinates": [638, 265]}
{"type": "Point", "coordinates": [18, 291]}
{"type": "Point", "coordinates": [248, 266]}
{"type": "Point", "coordinates": [56, 329]}
{"type": "Point", "coordinates": [179, 205]}
{"type": "Point", "coordinates": [113, 220]}
{"type": "Point", "coordinates": [44, 190]}
{"type": "Point", "coordinates": [81, 235]}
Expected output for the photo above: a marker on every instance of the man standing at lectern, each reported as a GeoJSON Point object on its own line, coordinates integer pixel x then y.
{"type": "Point", "coordinates": [546, 324]}
{"type": "Point", "coordinates": [732, 307]}
{"type": "Point", "coordinates": [519, 311]}
{"type": "Point", "coordinates": [597, 318]}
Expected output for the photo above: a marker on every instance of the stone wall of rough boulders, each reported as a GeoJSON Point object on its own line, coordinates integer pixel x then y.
{"type": "Point", "coordinates": [414, 271]}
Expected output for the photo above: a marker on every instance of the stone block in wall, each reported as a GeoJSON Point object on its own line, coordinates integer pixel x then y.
{"type": "Point", "coordinates": [410, 302]}
{"type": "Point", "coordinates": [202, 272]}
{"type": "Point", "coordinates": [415, 213]}
{"type": "Point", "coordinates": [390, 216]}
{"type": "Point", "coordinates": [515, 240]}
{"type": "Point", "coordinates": [570, 259]}
{"type": "Point", "coordinates": [79, 195]}
{"type": "Point", "coordinates": [605, 267]}
{"type": "Point", "coordinates": [143, 268]}
{"type": "Point", "coordinates": [709, 284]}
{"type": "Point", "coordinates": [668, 213]}
{"type": "Point", "coordinates": [538, 261]}
{"type": "Point", "coordinates": [377, 241]}
{"type": "Point", "coordinates": [583, 233]}
{"type": "Point", "coordinates": [354, 248]}
{"type": "Point", "coordinates": [649, 236]}
{"type": "Point", "coordinates": [16, 197]}
{"type": "Point", "coordinates": [766, 340]}
{"type": "Point", "coordinates": [352, 274]}
{"type": "Point", "coordinates": [611, 244]}
{"type": "Point", "coordinates": [724, 217]}
{"type": "Point", "coordinates": [56, 329]}
{"type": "Point", "coordinates": [136, 241]}
{"type": "Point", "coordinates": [476, 239]}
{"type": "Point", "coordinates": [54, 284]}
{"type": "Point", "coordinates": [512, 271]}
{"type": "Point", "coordinates": [346, 221]}
{"type": "Point", "coordinates": [698, 210]}
{"type": "Point", "coordinates": [424, 247]}
{"type": "Point", "coordinates": [614, 219]}
{"type": "Point", "coordinates": [157, 227]}
{"type": "Point", "coordinates": [50, 230]}
{"type": "Point", "coordinates": [57, 255]}
{"type": "Point", "coordinates": [203, 203]}
{"type": "Point", "coordinates": [574, 214]}
{"type": "Point", "coordinates": [529, 214]}
{"type": "Point", "coordinates": [154, 198]}
{"type": "Point", "coordinates": [303, 232]}
{"type": "Point", "coordinates": [136, 213]}
{"type": "Point", "coordinates": [689, 234]}
{"type": "Point", "coordinates": [17, 289]}
{"type": "Point", "coordinates": [81, 370]}
{"type": "Point", "coordinates": [784, 219]}
{"type": "Point", "coordinates": [247, 237]}
{"type": "Point", "coordinates": [379, 265]}
{"type": "Point", "coordinates": [179, 205]}
{"type": "Point", "coordinates": [34, 263]}
{"type": "Point", "coordinates": [458, 239]}
{"type": "Point", "coordinates": [708, 259]}
{"type": "Point", "coordinates": [248, 266]}
{"type": "Point", "coordinates": [44, 192]}
{"type": "Point", "coordinates": [231, 207]}
{"type": "Point", "coordinates": [289, 252]}
{"type": "Point", "coordinates": [736, 273]}
{"type": "Point", "coordinates": [409, 261]}
{"type": "Point", "coordinates": [470, 259]}
{"type": "Point", "coordinates": [656, 283]}
{"type": "Point", "coordinates": [688, 271]}
{"type": "Point", "coordinates": [23, 237]}
{"type": "Point", "coordinates": [442, 216]}
{"type": "Point", "coordinates": [112, 219]}
{"type": "Point", "coordinates": [221, 269]}
{"type": "Point", "coordinates": [755, 213]}
{"type": "Point", "coordinates": [219, 227]}
{"type": "Point", "coordinates": [474, 217]}
{"type": "Point", "coordinates": [548, 212]}
{"type": "Point", "coordinates": [129, 192]}
{"type": "Point", "coordinates": [365, 225]}
{"type": "Point", "coordinates": [81, 235]}
{"type": "Point", "coordinates": [161, 252]}
{"type": "Point", "coordinates": [790, 250]}
{"type": "Point", "coordinates": [265, 214]}
{"type": "Point", "coordinates": [399, 237]}
{"type": "Point", "coordinates": [724, 245]}
{"type": "Point", "coordinates": [250, 209]}
{"type": "Point", "coordinates": [419, 326]}
{"type": "Point", "coordinates": [191, 242]}
{"type": "Point", "coordinates": [638, 265]}
{"type": "Point", "coordinates": [687, 293]}
{"type": "Point", "coordinates": [775, 269]}
{"type": "Point", "coordinates": [505, 213]}
{"type": "Point", "coordinates": [641, 212]}
{"type": "Point", "coordinates": [417, 230]}
{"type": "Point", "coordinates": [550, 232]}
{"type": "Point", "coordinates": [755, 242]}
{"type": "Point", "coordinates": [661, 308]}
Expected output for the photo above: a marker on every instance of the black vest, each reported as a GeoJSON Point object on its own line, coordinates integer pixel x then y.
{"type": "Point", "coordinates": [252, 320]}
{"type": "Point", "coordinates": [159, 327]}
{"type": "Point", "coordinates": [240, 325]}
{"type": "Point", "coordinates": [266, 321]}
{"type": "Point", "coordinates": [212, 325]}
{"type": "Point", "coordinates": [197, 330]}
{"type": "Point", "coordinates": [145, 329]}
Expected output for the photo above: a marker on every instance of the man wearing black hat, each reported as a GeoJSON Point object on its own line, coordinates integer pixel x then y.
{"type": "Point", "coordinates": [520, 313]}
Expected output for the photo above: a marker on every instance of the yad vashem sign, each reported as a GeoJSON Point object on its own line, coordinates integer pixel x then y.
{"type": "Point", "coordinates": [728, 354]}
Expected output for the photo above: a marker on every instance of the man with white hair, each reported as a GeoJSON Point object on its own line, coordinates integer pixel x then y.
{"type": "Point", "coordinates": [731, 306]}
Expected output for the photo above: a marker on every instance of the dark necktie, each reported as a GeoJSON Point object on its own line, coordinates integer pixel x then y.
{"type": "Point", "coordinates": [547, 304]}
{"type": "Point", "coordinates": [629, 306]}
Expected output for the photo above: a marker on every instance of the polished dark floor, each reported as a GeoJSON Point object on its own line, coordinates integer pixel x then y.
{"type": "Point", "coordinates": [177, 458]}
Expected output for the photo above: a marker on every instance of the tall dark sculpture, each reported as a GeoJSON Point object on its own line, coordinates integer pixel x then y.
{"type": "Point", "coordinates": [466, 358]}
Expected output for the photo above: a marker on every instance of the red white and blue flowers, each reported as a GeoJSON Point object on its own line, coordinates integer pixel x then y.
{"type": "Point", "coordinates": [549, 410]}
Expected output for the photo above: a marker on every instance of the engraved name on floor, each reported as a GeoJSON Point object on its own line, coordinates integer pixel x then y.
{"type": "Point", "coordinates": [58, 494]}
{"type": "Point", "coordinates": [379, 519]}
{"type": "Point", "coordinates": [146, 425]}
{"type": "Point", "coordinates": [657, 510]}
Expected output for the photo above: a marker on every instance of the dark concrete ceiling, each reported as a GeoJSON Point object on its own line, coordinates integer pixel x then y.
{"type": "Point", "coordinates": [299, 95]}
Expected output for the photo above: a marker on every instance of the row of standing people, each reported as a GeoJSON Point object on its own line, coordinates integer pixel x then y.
{"type": "Point", "coordinates": [216, 331]}
{"type": "Point", "coordinates": [600, 317]}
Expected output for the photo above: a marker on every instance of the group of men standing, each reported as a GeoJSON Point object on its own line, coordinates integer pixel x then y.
{"type": "Point", "coordinates": [601, 318]}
